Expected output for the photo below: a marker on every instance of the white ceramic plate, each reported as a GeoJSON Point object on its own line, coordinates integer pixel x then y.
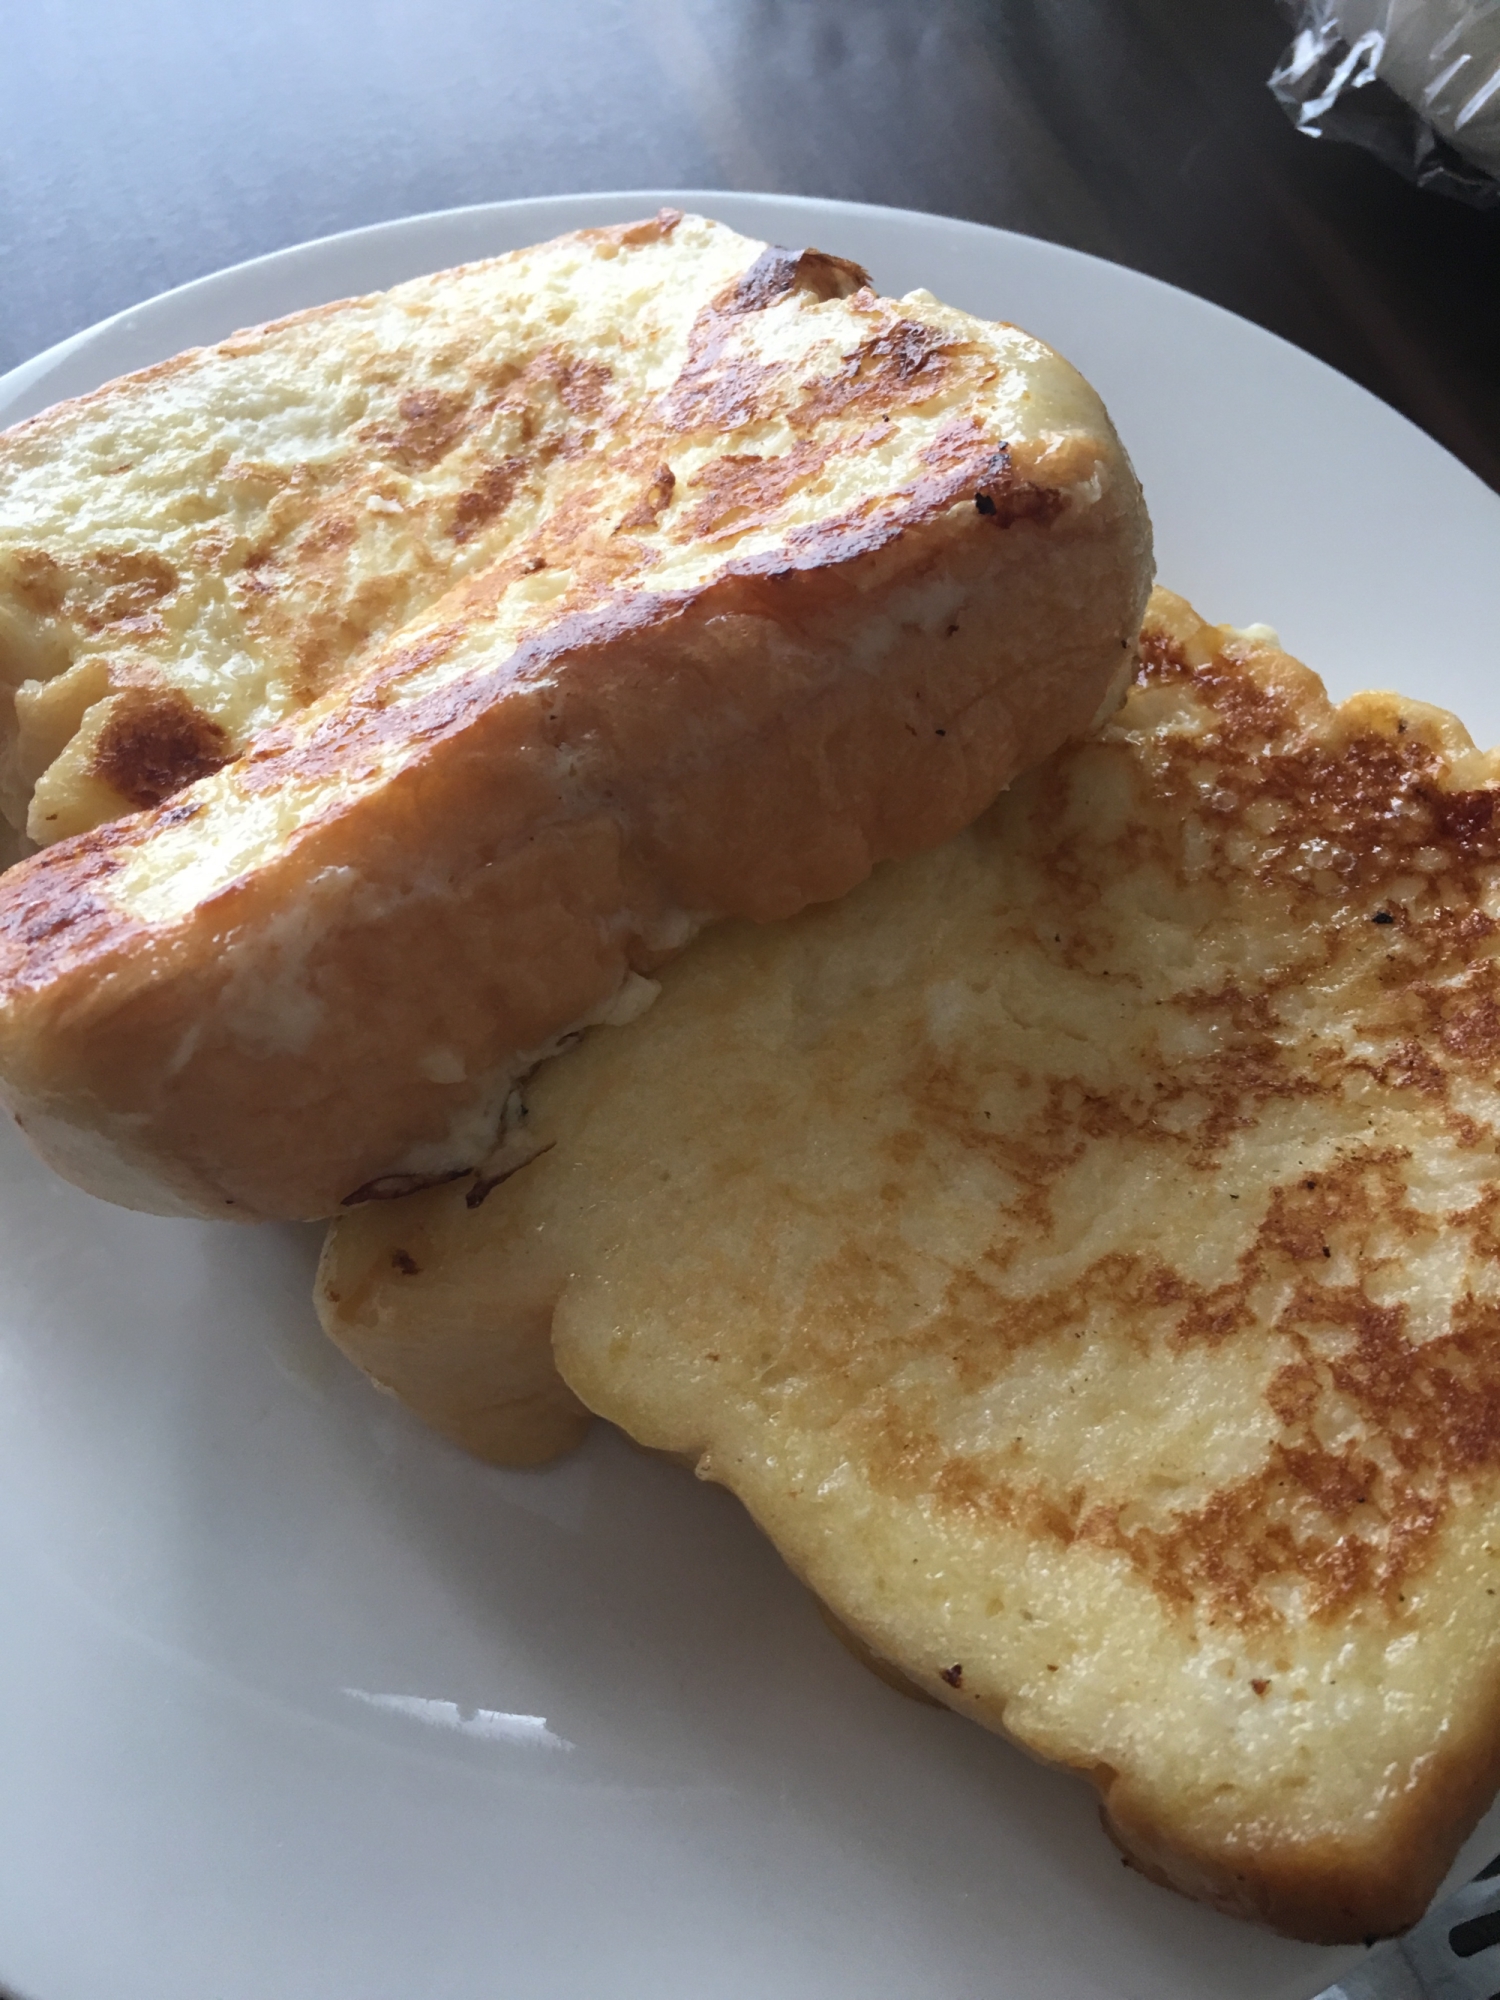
{"type": "Point", "coordinates": [297, 1701]}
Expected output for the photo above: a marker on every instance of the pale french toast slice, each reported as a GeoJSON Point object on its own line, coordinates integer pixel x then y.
{"type": "Point", "coordinates": [1080, 1251]}
{"type": "Point", "coordinates": [468, 646]}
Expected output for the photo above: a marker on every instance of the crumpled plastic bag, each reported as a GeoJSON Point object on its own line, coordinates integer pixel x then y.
{"type": "Point", "coordinates": [1415, 81]}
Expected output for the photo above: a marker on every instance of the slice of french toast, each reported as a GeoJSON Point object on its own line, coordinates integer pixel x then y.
{"type": "Point", "coordinates": [1080, 1251]}
{"type": "Point", "coordinates": [464, 648]}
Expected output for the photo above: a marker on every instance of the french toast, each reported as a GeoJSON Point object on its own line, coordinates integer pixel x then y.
{"type": "Point", "coordinates": [405, 676]}
{"type": "Point", "coordinates": [1080, 1251]}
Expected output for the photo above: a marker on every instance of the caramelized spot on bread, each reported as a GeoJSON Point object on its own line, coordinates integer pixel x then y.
{"type": "Point", "coordinates": [154, 742]}
{"type": "Point", "coordinates": [776, 272]}
{"type": "Point", "coordinates": [478, 504]}
{"type": "Point", "coordinates": [119, 587]}
{"type": "Point", "coordinates": [655, 229]}
{"type": "Point", "coordinates": [656, 498]}
{"type": "Point", "coordinates": [743, 491]}
{"type": "Point", "coordinates": [583, 386]}
{"type": "Point", "coordinates": [1007, 498]}
{"type": "Point", "coordinates": [899, 363]}
{"type": "Point", "coordinates": [66, 908]}
{"type": "Point", "coordinates": [904, 363]}
{"type": "Point", "coordinates": [431, 422]}
{"type": "Point", "coordinates": [1375, 1431]}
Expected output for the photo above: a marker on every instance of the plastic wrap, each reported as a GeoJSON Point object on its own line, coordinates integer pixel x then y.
{"type": "Point", "coordinates": [1415, 81]}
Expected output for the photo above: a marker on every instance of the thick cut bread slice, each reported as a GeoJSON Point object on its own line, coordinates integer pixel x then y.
{"type": "Point", "coordinates": [1080, 1251]}
{"type": "Point", "coordinates": [543, 610]}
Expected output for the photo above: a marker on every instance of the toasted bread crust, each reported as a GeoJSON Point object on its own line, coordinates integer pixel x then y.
{"type": "Point", "coordinates": [1349, 1887]}
{"type": "Point", "coordinates": [313, 975]}
{"type": "Point", "coordinates": [1079, 1252]}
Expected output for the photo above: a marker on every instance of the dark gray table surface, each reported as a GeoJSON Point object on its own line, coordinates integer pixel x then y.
{"type": "Point", "coordinates": [145, 144]}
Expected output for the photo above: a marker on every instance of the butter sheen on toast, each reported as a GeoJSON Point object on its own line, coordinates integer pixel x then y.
{"type": "Point", "coordinates": [1078, 1250]}
{"type": "Point", "coordinates": [462, 649]}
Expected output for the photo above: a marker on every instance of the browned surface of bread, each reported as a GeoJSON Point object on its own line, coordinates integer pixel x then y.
{"type": "Point", "coordinates": [790, 579]}
{"type": "Point", "coordinates": [1078, 1251]}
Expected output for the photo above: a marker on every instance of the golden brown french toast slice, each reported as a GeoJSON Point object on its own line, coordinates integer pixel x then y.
{"type": "Point", "coordinates": [466, 647]}
{"type": "Point", "coordinates": [1079, 1251]}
